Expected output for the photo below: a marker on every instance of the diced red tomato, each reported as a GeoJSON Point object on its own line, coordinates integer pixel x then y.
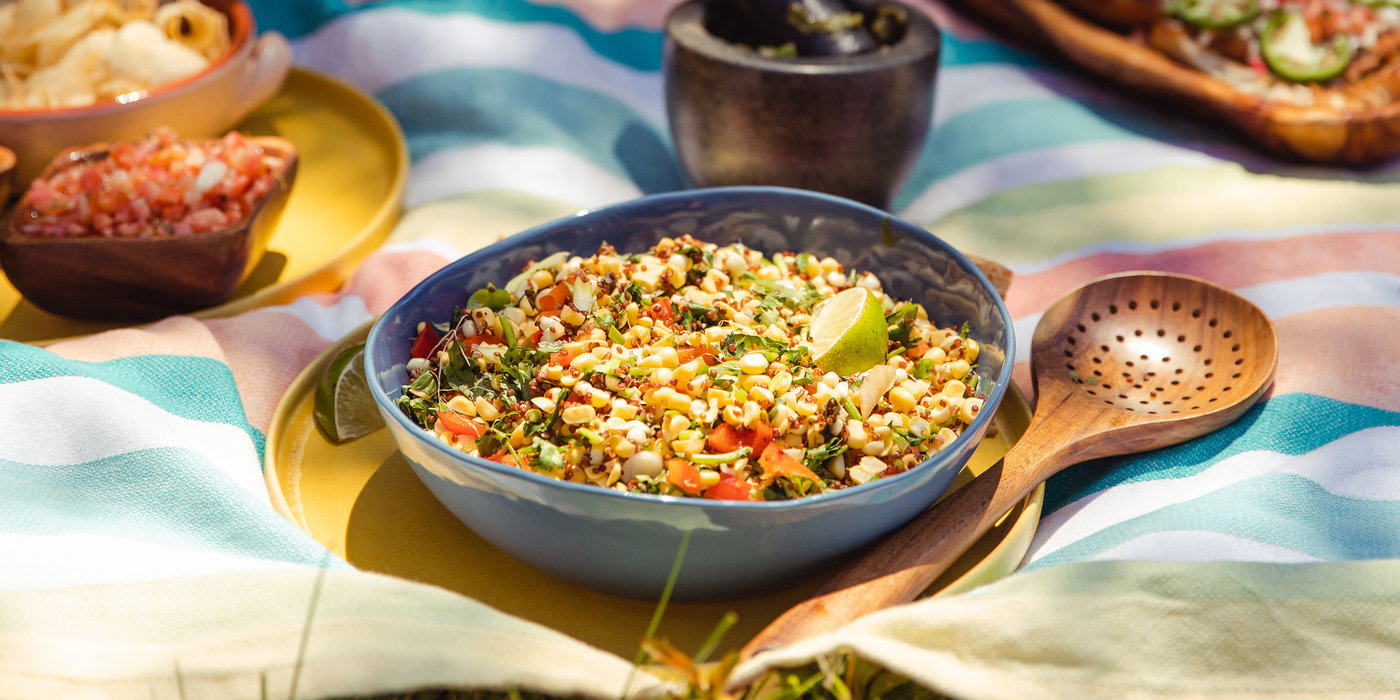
{"type": "Point", "coordinates": [458, 424]}
{"type": "Point", "coordinates": [476, 340]}
{"type": "Point", "coordinates": [147, 188]}
{"type": "Point", "coordinates": [775, 463]}
{"type": "Point", "coordinates": [561, 358]}
{"type": "Point", "coordinates": [661, 310]}
{"type": "Point", "coordinates": [724, 438]}
{"type": "Point", "coordinates": [535, 338]}
{"type": "Point", "coordinates": [506, 459]}
{"type": "Point", "coordinates": [686, 353]}
{"type": "Point", "coordinates": [727, 438]}
{"type": "Point", "coordinates": [762, 438]}
{"type": "Point", "coordinates": [684, 475]}
{"type": "Point", "coordinates": [90, 180]}
{"type": "Point", "coordinates": [549, 302]}
{"type": "Point", "coordinates": [425, 342]}
{"type": "Point", "coordinates": [730, 488]}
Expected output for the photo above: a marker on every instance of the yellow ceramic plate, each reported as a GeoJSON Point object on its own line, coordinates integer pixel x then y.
{"type": "Point", "coordinates": [363, 502]}
{"type": "Point", "coordinates": [347, 196]}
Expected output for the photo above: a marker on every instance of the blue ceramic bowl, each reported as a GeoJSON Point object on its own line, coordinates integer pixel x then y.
{"type": "Point", "coordinates": [626, 543]}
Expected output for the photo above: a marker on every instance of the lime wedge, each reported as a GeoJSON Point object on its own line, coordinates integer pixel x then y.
{"type": "Point", "coordinates": [849, 333]}
{"type": "Point", "coordinates": [344, 408]}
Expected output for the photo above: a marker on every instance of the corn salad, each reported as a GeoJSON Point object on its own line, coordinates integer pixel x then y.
{"type": "Point", "coordinates": [686, 371]}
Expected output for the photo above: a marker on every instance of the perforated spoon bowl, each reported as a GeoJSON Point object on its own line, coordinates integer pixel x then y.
{"type": "Point", "coordinates": [1124, 364]}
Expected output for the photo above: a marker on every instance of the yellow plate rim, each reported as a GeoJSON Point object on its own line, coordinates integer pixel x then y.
{"type": "Point", "coordinates": [333, 271]}
{"type": "Point", "coordinates": [998, 563]}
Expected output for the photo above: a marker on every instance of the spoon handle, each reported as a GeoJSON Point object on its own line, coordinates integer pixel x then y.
{"type": "Point", "coordinates": [902, 566]}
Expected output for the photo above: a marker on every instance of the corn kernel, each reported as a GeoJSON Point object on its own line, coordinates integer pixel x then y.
{"type": "Point", "coordinates": [661, 397]}
{"type": "Point", "coordinates": [901, 400]}
{"type": "Point", "coordinates": [584, 361]}
{"type": "Point", "coordinates": [754, 380]}
{"type": "Point", "coordinates": [486, 410]}
{"type": "Point", "coordinates": [708, 479]}
{"type": "Point", "coordinates": [687, 371]}
{"type": "Point", "coordinates": [462, 404]}
{"type": "Point", "coordinates": [856, 437]}
{"type": "Point", "coordinates": [753, 363]}
{"type": "Point", "coordinates": [625, 448]}
{"type": "Point", "coordinates": [572, 317]}
{"type": "Point", "coordinates": [669, 358]}
{"type": "Point", "coordinates": [678, 402]}
{"type": "Point", "coordinates": [969, 410]}
{"type": "Point", "coordinates": [762, 396]}
{"type": "Point", "coordinates": [575, 415]}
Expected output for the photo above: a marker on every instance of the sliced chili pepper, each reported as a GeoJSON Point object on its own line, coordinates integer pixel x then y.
{"type": "Point", "coordinates": [425, 342]}
{"type": "Point", "coordinates": [1287, 47]}
{"type": "Point", "coordinates": [1213, 14]}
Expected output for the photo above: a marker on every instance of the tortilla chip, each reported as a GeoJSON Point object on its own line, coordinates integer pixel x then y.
{"type": "Point", "coordinates": [143, 54]}
{"type": "Point", "coordinates": [195, 25]}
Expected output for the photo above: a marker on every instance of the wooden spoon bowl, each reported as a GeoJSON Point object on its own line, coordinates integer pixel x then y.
{"type": "Point", "coordinates": [1124, 364]}
{"type": "Point", "coordinates": [1157, 345]}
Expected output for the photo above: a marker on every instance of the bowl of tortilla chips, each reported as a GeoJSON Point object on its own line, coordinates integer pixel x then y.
{"type": "Point", "coordinates": [82, 71]}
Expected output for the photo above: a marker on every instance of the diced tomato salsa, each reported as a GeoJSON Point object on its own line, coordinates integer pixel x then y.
{"type": "Point", "coordinates": [157, 186]}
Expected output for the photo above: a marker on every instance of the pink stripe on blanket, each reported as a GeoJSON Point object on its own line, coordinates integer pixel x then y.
{"type": "Point", "coordinates": [177, 335]}
{"type": "Point", "coordinates": [385, 277]}
{"type": "Point", "coordinates": [1233, 264]}
{"type": "Point", "coordinates": [265, 351]}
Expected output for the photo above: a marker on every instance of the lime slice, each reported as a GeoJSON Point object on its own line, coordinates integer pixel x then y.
{"type": "Point", "coordinates": [849, 333]}
{"type": "Point", "coordinates": [344, 407]}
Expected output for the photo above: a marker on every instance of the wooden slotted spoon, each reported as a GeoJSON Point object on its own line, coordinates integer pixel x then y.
{"type": "Point", "coordinates": [1124, 364]}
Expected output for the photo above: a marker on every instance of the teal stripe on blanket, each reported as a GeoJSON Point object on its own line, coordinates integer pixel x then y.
{"type": "Point", "coordinates": [636, 48]}
{"type": "Point", "coordinates": [1283, 510]}
{"type": "Point", "coordinates": [1291, 424]}
{"type": "Point", "coordinates": [1007, 128]}
{"type": "Point", "coordinates": [470, 106]}
{"type": "Point", "coordinates": [169, 495]}
{"type": "Point", "coordinates": [196, 388]}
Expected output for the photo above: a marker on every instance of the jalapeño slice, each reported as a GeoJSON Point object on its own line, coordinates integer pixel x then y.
{"type": "Point", "coordinates": [1213, 14]}
{"type": "Point", "coordinates": [1287, 48]}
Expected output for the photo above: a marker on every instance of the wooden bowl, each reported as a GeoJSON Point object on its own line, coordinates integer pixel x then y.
{"type": "Point", "coordinates": [7, 174]}
{"type": "Point", "coordinates": [1319, 134]}
{"type": "Point", "coordinates": [141, 279]}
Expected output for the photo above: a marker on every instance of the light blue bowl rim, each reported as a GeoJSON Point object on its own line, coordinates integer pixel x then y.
{"type": "Point", "coordinates": [625, 209]}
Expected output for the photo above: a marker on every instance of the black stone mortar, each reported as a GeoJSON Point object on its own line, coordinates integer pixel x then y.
{"type": "Point", "coordinates": [851, 126]}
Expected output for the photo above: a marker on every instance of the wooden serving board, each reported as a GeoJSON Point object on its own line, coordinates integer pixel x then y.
{"type": "Point", "coordinates": [1319, 134]}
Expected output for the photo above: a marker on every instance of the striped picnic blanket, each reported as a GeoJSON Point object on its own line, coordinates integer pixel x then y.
{"type": "Point", "coordinates": [139, 554]}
